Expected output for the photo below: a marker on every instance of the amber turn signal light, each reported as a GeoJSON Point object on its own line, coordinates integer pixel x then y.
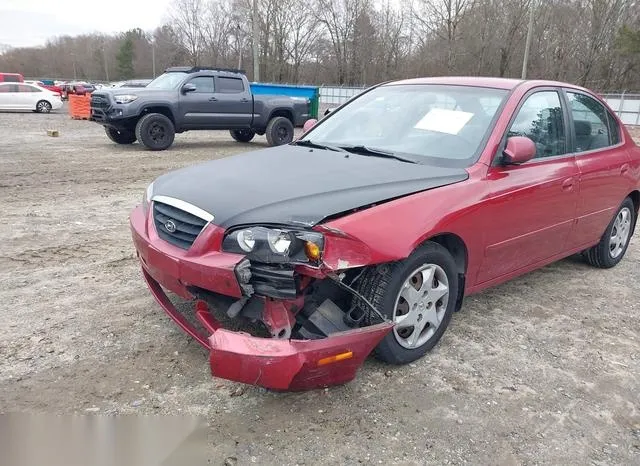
{"type": "Point", "coordinates": [336, 358]}
{"type": "Point", "coordinates": [312, 250]}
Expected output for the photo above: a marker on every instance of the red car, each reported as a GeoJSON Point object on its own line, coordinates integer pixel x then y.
{"type": "Point", "coordinates": [365, 234]}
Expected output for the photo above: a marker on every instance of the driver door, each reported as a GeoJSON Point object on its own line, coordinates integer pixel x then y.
{"type": "Point", "coordinates": [198, 107]}
{"type": "Point", "coordinates": [531, 208]}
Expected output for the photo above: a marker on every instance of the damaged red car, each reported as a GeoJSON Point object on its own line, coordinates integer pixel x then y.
{"type": "Point", "coordinates": [365, 234]}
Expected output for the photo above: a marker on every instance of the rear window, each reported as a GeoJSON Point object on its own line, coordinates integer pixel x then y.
{"type": "Point", "coordinates": [614, 130]}
{"type": "Point", "coordinates": [230, 85]}
{"type": "Point", "coordinates": [28, 88]}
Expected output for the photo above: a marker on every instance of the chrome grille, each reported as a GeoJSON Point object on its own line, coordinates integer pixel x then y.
{"type": "Point", "coordinates": [176, 226]}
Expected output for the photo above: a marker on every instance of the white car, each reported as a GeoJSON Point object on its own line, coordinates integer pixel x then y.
{"type": "Point", "coordinates": [21, 96]}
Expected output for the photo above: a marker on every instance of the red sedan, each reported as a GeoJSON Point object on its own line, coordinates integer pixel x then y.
{"type": "Point", "coordinates": [366, 233]}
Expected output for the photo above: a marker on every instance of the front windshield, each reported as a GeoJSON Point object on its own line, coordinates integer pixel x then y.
{"type": "Point", "coordinates": [444, 123]}
{"type": "Point", "coordinates": [167, 81]}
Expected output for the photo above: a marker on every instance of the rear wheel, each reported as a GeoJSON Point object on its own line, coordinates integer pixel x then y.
{"type": "Point", "coordinates": [419, 295]}
{"type": "Point", "coordinates": [279, 131]}
{"type": "Point", "coordinates": [155, 131]}
{"type": "Point", "coordinates": [43, 106]}
{"type": "Point", "coordinates": [120, 136]}
{"type": "Point", "coordinates": [242, 135]}
{"type": "Point", "coordinates": [615, 240]}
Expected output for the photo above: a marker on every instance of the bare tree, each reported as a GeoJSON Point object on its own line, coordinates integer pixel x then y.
{"type": "Point", "coordinates": [442, 19]}
{"type": "Point", "coordinates": [188, 21]}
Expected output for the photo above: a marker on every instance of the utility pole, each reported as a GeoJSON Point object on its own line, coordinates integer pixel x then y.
{"type": "Point", "coordinates": [527, 46]}
{"type": "Point", "coordinates": [256, 65]}
{"type": "Point", "coordinates": [75, 73]}
{"type": "Point", "coordinates": [106, 66]}
{"type": "Point", "coordinates": [153, 56]}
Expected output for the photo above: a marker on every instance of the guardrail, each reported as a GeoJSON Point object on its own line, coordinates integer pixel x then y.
{"type": "Point", "coordinates": [626, 106]}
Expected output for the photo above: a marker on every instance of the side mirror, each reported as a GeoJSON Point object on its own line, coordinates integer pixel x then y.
{"type": "Point", "coordinates": [327, 111]}
{"type": "Point", "coordinates": [520, 149]}
{"type": "Point", "coordinates": [189, 87]}
{"type": "Point", "coordinates": [309, 124]}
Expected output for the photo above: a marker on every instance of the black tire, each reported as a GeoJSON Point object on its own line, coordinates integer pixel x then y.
{"type": "Point", "coordinates": [120, 136]}
{"type": "Point", "coordinates": [242, 135]}
{"type": "Point", "coordinates": [279, 131]}
{"type": "Point", "coordinates": [602, 255]}
{"type": "Point", "coordinates": [155, 131]}
{"type": "Point", "coordinates": [43, 106]}
{"type": "Point", "coordinates": [381, 286]}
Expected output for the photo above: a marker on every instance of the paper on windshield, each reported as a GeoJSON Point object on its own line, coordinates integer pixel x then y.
{"type": "Point", "coordinates": [444, 121]}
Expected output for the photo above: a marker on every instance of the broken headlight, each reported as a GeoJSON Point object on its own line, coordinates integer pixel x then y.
{"type": "Point", "coordinates": [276, 245]}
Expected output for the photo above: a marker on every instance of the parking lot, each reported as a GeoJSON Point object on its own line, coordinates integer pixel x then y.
{"type": "Point", "coordinates": [542, 370]}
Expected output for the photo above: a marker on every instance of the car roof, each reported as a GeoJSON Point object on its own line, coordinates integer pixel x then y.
{"type": "Point", "coordinates": [499, 83]}
{"type": "Point", "coordinates": [481, 81]}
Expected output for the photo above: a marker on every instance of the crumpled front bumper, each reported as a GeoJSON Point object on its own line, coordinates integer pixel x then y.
{"type": "Point", "coordinates": [279, 364]}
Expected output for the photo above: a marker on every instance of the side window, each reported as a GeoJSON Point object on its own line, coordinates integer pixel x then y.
{"type": "Point", "coordinates": [204, 84]}
{"type": "Point", "coordinates": [9, 88]}
{"type": "Point", "coordinates": [614, 129]}
{"type": "Point", "coordinates": [8, 78]}
{"type": "Point", "coordinates": [540, 119]}
{"type": "Point", "coordinates": [230, 85]}
{"type": "Point", "coordinates": [590, 122]}
{"type": "Point", "coordinates": [27, 88]}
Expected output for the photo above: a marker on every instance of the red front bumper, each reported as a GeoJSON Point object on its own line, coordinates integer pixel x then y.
{"type": "Point", "coordinates": [271, 363]}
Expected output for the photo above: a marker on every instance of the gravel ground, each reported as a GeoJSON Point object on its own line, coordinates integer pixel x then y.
{"type": "Point", "coordinates": [542, 370]}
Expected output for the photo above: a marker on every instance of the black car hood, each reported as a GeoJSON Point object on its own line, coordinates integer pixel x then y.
{"type": "Point", "coordinates": [297, 185]}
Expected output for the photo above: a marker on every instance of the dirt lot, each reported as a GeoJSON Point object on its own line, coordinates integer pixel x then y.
{"type": "Point", "coordinates": [542, 370]}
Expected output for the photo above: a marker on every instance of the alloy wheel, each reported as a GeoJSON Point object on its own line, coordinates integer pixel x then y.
{"type": "Point", "coordinates": [620, 232]}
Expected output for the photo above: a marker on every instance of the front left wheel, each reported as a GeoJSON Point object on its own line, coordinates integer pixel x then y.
{"type": "Point", "coordinates": [155, 131]}
{"type": "Point", "coordinates": [43, 107]}
{"type": "Point", "coordinates": [120, 136]}
{"type": "Point", "coordinates": [419, 295]}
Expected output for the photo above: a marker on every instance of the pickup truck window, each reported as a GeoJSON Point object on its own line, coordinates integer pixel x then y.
{"type": "Point", "coordinates": [230, 85]}
{"type": "Point", "coordinates": [204, 84]}
{"type": "Point", "coordinates": [167, 81]}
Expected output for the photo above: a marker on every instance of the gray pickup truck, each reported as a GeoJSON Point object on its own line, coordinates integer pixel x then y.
{"type": "Point", "coordinates": [186, 98]}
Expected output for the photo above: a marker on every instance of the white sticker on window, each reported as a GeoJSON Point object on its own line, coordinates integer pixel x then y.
{"type": "Point", "coordinates": [444, 121]}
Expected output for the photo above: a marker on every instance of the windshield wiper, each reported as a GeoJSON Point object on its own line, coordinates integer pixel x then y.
{"type": "Point", "coordinates": [315, 145]}
{"type": "Point", "coordinates": [365, 150]}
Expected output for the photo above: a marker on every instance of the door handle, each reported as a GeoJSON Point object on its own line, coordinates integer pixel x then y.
{"type": "Point", "coordinates": [244, 100]}
{"type": "Point", "coordinates": [213, 99]}
{"type": "Point", "coordinates": [567, 185]}
{"type": "Point", "coordinates": [625, 169]}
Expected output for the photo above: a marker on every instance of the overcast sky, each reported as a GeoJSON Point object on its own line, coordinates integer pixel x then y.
{"type": "Point", "coordinates": [32, 22]}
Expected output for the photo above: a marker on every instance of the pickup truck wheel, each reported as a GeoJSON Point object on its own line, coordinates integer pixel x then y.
{"type": "Point", "coordinates": [279, 131]}
{"type": "Point", "coordinates": [155, 131]}
{"type": "Point", "coordinates": [419, 295]}
{"type": "Point", "coordinates": [242, 135]}
{"type": "Point", "coordinates": [120, 137]}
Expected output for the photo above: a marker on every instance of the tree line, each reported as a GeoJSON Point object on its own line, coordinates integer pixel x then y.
{"type": "Point", "coordinates": [595, 43]}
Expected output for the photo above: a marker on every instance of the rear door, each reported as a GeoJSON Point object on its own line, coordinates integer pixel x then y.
{"type": "Point", "coordinates": [234, 103]}
{"type": "Point", "coordinates": [531, 207]}
{"type": "Point", "coordinates": [28, 96]}
{"type": "Point", "coordinates": [9, 97]}
{"type": "Point", "coordinates": [604, 165]}
{"type": "Point", "coordinates": [199, 107]}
